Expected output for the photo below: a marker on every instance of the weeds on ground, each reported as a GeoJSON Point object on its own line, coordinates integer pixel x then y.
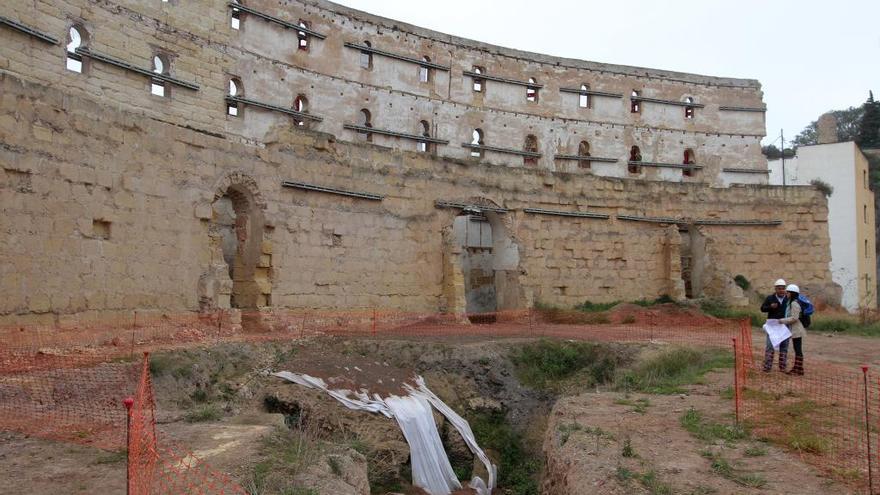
{"type": "Point", "coordinates": [201, 414]}
{"type": "Point", "coordinates": [628, 450]}
{"type": "Point", "coordinates": [723, 468]}
{"type": "Point", "coordinates": [756, 450]}
{"type": "Point", "coordinates": [639, 405]}
{"type": "Point", "coordinates": [649, 480]}
{"type": "Point", "coordinates": [709, 431]}
{"type": "Point", "coordinates": [568, 317]}
{"type": "Point", "coordinates": [551, 365]}
{"type": "Point", "coordinates": [284, 455]}
{"type": "Point", "coordinates": [720, 309]}
{"type": "Point", "coordinates": [866, 327]}
{"type": "Point", "coordinates": [111, 457]}
{"type": "Point", "coordinates": [519, 465]}
{"type": "Point", "coordinates": [668, 372]}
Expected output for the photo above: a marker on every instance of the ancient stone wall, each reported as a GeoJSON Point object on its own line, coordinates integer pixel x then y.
{"type": "Point", "coordinates": [114, 199]}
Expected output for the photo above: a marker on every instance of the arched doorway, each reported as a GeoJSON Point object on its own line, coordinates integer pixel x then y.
{"type": "Point", "coordinates": [483, 262]}
{"type": "Point", "coordinates": [240, 272]}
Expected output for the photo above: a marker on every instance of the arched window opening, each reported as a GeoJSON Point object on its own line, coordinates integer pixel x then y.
{"type": "Point", "coordinates": [301, 105]}
{"type": "Point", "coordinates": [532, 91]}
{"type": "Point", "coordinates": [235, 22]}
{"type": "Point", "coordinates": [366, 121]}
{"type": "Point", "coordinates": [478, 82]}
{"type": "Point", "coordinates": [635, 156]}
{"type": "Point", "coordinates": [303, 37]}
{"type": "Point", "coordinates": [689, 159]}
{"type": "Point", "coordinates": [235, 89]}
{"type": "Point", "coordinates": [367, 57]}
{"type": "Point", "coordinates": [635, 105]}
{"type": "Point", "coordinates": [477, 140]}
{"type": "Point", "coordinates": [425, 71]}
{"type": "Point", "coordinates": [584, 98]}
{"type": "Point", "coordinates": [689, 109]}
{"type": "Point", "coordinates": [160, 66]}
{"type": "Point", "coordinates": [424, 131]}
{"type": "Point", "coordinates": [583, 150]}
{"type": "Point", "coordinates": [531, 146]}
{"type": "Point", "coordinates": [75, 39]}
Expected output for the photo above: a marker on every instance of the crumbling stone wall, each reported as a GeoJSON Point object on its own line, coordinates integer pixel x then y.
{"type": "Point", "coordinates": [108, 192]}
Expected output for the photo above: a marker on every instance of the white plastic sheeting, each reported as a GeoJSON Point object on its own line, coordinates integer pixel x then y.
{"type": "Point", "coordinates": [431, 470]}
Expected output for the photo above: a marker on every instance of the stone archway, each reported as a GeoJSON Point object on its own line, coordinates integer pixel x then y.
{"type": "Point", "coordinates": [239, 275]}
{"type": "Point", "coordinates": [481, 261]}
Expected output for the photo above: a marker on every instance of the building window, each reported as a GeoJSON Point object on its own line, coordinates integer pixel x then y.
{"type": "Point", "coordinates": [531, 146]}
{"type": "Point", "coordinates": [235, 22]}
{"type": "Point", "coordinates": [425, 131]}
{"type": "Point", "coordinates": [584, 98]}
{"type": "Point", "coordinates": [635, 156]}
{"type": "Point", "coordinates": [75, 40]}
{"type": "Point", "coordinates": [367, 57]}
{"type": "Point", "coordinates": [477, 140]}
{"type": "Point", "coordinates": [425, 71]}
{"type": "Point", "coordinates": [160, 66]}
{"type": "Point", "coordinates": [366, 121]}
{"type": "Point", "coordinates": [689, 159]}
{"type": "Point", "coordinates": [635, 105]}
{"type": "Point", "coordinates": [532, 91]}
{"type": "Point", "coordinates": [301, 105]}
{"type": "Point", "coordinates": [584, 150]}
{"type": "Point", "coordinates": [689, 109]}
{"type": "Point", "coordinates": [478, 82]}
{"type": "Point", "coordinates": [235, 89]}
{"type": "Point", "coordinates": [303, 37]}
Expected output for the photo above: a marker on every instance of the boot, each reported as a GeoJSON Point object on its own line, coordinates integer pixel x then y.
{"type": "Point", "coordinates": [798, 366]}
{"type": "Point", "coordinates": [783, 361]}
{"type": "Point", "coordinates": [768, 360]}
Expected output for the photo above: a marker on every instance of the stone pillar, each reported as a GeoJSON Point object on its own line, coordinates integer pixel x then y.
{"type": "Point", "coordinates": [672, 263]}
{"type": "Point", "coordinates": [826, 129]}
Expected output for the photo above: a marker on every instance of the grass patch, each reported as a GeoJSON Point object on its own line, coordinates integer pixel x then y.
{"type": "Point", "coordinates": [519, 465]}
{"type": "Point", "coordinates": [202, 414]}
{"type": "Point", "coordinates": [709, 431]}
{"type": "Point", "coordinates": [628, 450]}
{"type": "Point", "coordinates": [651, 482]}
{"type": "Point", "coordinates": [639, 405]}
{"type": "Point", "coordinates": [591, 307]}
{"type": "Point", "coordinates": [283, 455]}
{"type": "Point", "coordinates": [720, 309]}
{"type": "Point", "coordinates": [668, 372]}
{"type": "Point", "coordinates": [845, 325]}
{"type": "Point", "coordinates": [755, 451]}
{"type": "Point", "coordinates": [723, 468]}
{"type": "Point", "coordinates": [112, 457]}
{"type": "Point", "coordinates": [551, 365]}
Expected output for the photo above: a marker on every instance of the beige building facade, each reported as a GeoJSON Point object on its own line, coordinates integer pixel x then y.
{"type": "Point", "coordinates": [851, 214]}
{"type": "Point", "coordinates": [184, 156]}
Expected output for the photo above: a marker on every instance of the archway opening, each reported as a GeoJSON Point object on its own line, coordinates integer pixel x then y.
{"type": "Point", "coordinates": [237, 226]}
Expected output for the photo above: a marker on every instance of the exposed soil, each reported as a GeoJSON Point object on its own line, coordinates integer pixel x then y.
{"type": "Point", "coordinates": [470, 374]}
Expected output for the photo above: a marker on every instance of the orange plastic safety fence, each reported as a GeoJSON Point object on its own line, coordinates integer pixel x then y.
{"type": "Point", "coordinates": [154, 465]}
{"type": "Point", "coordinates": [826, 415]}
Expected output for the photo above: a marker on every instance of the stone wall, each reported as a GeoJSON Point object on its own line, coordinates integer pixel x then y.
{"type": "Point", "coordinates": [110, 209]}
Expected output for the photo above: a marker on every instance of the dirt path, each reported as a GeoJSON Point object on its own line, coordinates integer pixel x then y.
{"type": "Point", "coordinates": [588, 434]}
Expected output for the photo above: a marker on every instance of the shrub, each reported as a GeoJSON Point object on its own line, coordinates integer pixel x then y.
{"type": "Point", "coordinates": [822, 186]}
{"type": "Point", "coordinates": [591, 307]}
{"type": "Point", "coordinates": [547, 364]}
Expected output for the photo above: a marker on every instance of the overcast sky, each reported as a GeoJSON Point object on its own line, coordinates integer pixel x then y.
{"type": "Point", "coordinates": [810, 56]}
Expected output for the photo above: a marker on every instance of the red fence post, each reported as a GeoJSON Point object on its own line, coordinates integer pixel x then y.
{"type": "Point", "coordinates": [736, 363]}
{"type": "Point", "coordinates": [868, 431]}
{"type": "Point", "coordinates": [128, 402]}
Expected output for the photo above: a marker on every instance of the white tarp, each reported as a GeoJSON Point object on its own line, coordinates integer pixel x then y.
{"type": "Point", "coordinates": [777, 332]}
{"type": "Point", "coordinates": [431, 470]}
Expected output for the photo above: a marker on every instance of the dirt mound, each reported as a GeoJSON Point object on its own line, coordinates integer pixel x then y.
{"type": "Point", "coordinates": [668, 314]}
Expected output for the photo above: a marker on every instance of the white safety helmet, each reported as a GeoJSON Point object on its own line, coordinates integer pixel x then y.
{"type": "Point", "coordinates": [780, 282]}
{"type": "Point", "coordinates": [793, 288]}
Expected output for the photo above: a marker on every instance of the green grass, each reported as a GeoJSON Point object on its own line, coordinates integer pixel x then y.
{"type": "Point", "coordinates": [756, 450]}
{"type": "Point", "coordinates": [670, 371]}
{"type": "Point", "coordinates": [628, 450]}
{"type": "Point", "coordinates": [725, 469]}
{"type": "Point", "coordinates": [638, 406]}
{"type": "Point", "coordinates": [709, 431]}
{"type": "Point", "coordinates": [551, 365]}
{"type": "Point", "coordinates": [519, 465]}
{"type": "Point", "coordinates": [651, 482]}
{"type": "Point", "coordinates": [591, 307]}
{"type": "Point", "coordinates": [845, 325]}
{"type": "Point", "coordinates": [720, 309]}
{"type": "Point", "coordinates": [201, 414]}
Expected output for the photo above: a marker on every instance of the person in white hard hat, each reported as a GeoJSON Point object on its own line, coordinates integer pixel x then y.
{"type": "Point", "coordinates": [775, 305]}
{"type": "Point", "coordinates": [798, 332]}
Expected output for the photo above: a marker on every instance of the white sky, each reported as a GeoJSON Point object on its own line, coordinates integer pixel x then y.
{"type": "Point", "coordinates": [810, 56]}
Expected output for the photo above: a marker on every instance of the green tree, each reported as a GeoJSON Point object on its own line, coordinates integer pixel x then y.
{"type": "Point", "coordinates": [773, 153]}
{"type": "Point", "coordinates": [848, 127]}
{"type": "Point", "coordinates": [869, 131]}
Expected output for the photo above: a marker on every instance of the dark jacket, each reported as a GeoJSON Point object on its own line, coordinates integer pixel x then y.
{"type": "Point", "coordinates": [774, 313]}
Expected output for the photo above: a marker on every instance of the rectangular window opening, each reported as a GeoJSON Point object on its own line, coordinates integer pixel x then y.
{"type": "Point", "coordinates": [157, 87]}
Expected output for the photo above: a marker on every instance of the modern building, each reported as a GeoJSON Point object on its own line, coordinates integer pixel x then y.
{"type": "Point", "coordinates": [841, 170]}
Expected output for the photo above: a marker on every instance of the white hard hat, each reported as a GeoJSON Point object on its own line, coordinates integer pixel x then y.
{"type": "Point", "coordinates": [779, 282]}
{"type": "Point", "coordinates": [793, 288]}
